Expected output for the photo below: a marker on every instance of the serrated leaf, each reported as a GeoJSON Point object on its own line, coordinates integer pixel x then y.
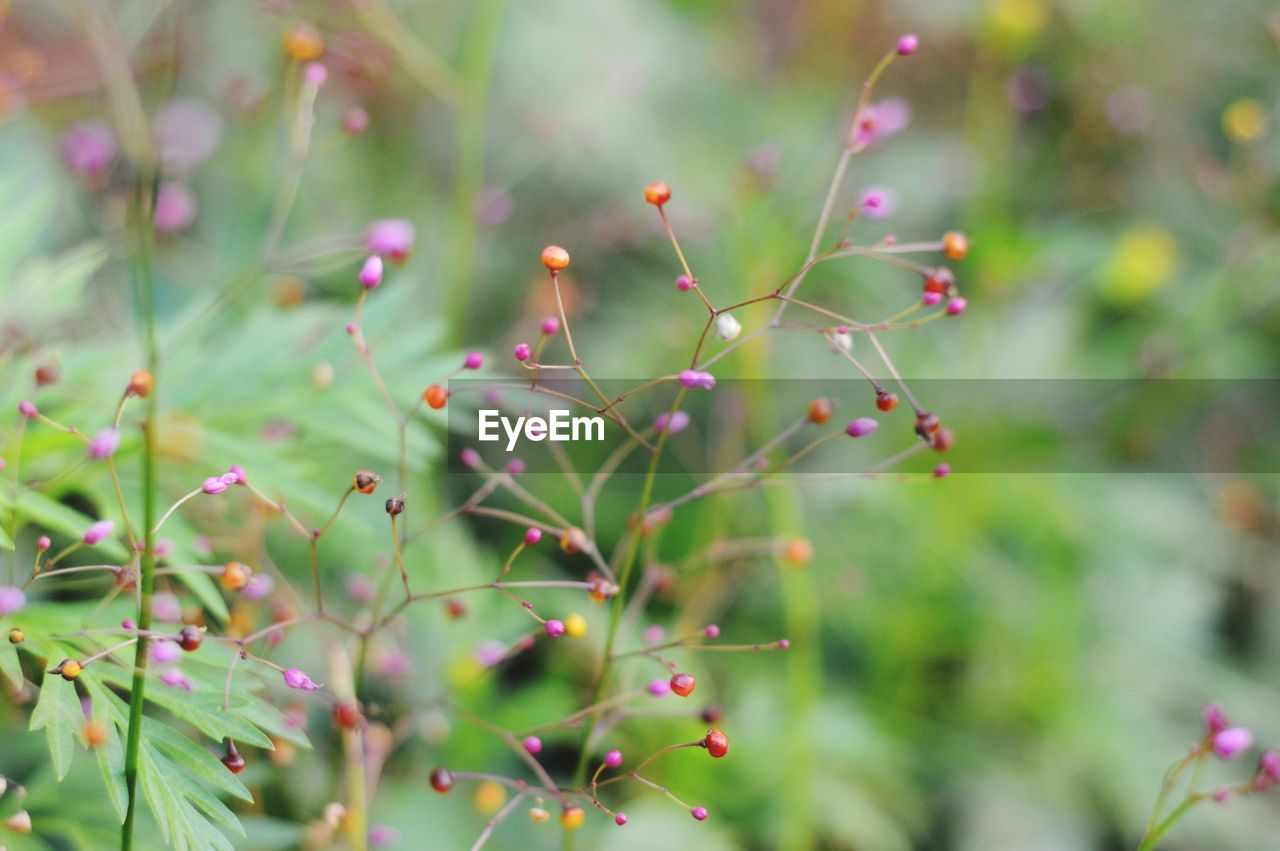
{"type": "Point", "coordinates": [194, 758]}
{"type": "Point", "coordinates": [182, 825]}
{"type": "Point", "coordinates": [58, 713]}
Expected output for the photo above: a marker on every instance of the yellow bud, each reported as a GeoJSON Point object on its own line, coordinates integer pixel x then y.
{"type": "Point", "coordinates": [575, 626]}
{"type": "Point", "coordinates": [571, 818]}
{"type": "Point", "coordinates": [489, 797]}
{"type": "Point", "coordinates": [1244, 120]}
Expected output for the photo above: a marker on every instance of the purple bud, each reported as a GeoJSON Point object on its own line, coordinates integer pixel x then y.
{"type": "Point", "coordinates": [784, 644]}
{"type": "Point", "coordinates": [12, 599]}
{"type": "Point", "coordinates": [356, 121]}
{"type": "Point", "coordinates": [175, 207]}
{"type": "Point", "coordinates": [678, 423]}
{"type": "Point", "coordinates": [214, 485]}
{"type": "Point", "coordinates": [89, 147]}
{"type": "Point", "coordinates": [613, 758]}
{"type": "Point", "coordinates": [930, 299]}
{"type": "Point", "coordinates": [43, 543]}
{"type": "Point", "coordinates": [295, 678]}
{"type": "Point", "coordinates": [235, 475]}
{"type": "Point", "coordinates": [554, 628]}
{"type": "Point", "coordinates": [532, 536]}
{"type": "Point", "coordinates": [907, 45]}
{"type": "Point", "coordinates": [175, 678]}
{"type": "Point", "coordinates": [692, 378]}
{"type": "Point", "coordinates": [515, 466]}
{"type": "Point", "coordinates": [28, 409]}
{"type": "Point", "coordinates": [104, 444]}
{"type": "Point", "coordinates": [315, 74]}
{"type": "Point", "coordinates": [523, 352]}
{"type": "Point", "coordinates": [371, 272]}
{"type": "Point", "coordinates": [533, 744]}
{"type": "Point", "coordinates": [684, 283]}
{"type": "Point", "coordinates": [861, 426]}
{"type": "Point", "coordinates": [712, 631]}
{"type": "Point", "coordinates": [166, 608]}
{"type": "Point", "coordinates": [260, 585]}
{"type": "Point", "coordinates": [165, 653]}
{"type": "Point", "coordinates": [699, 813]}
{"type": "Point", "coordinates": [474, 360]}
{"type": "Point", "coordinates": [391, 237]}
{"type": "Point", "coordinates": [659, 688]}
{"type": "Point", "coordinates": [1215, 720]}
{"type": "Point", "coordinates": [620, 819]}
{"type": "Point", "coordinates": [942, 471]}
{"type": "Point", "coordinates": [1231, 741]}
{"type": "Point", "coordinates": [470, 458]}
{"type": "Point", "coordinates": [98, 532]}
{"type": "Point", "coordinates": [956, 306]}
{"type": "Point", "coordinates": [551, 326]}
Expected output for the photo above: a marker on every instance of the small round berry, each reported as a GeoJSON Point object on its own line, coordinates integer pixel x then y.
{"type": "Point", "coordinates": [395, 505]}
{"type": "Point", "coordinates": [442, 780]}
{"type": "Point", "coordinates": [683, 684]}
{"type": "Point", "coordinates": [68, 669]}
{"type": "Point", "coordinates": [886, 401]}
{"type": "Point", "coordinates": [797, 552]}
{"type": "Point", "coordinates": [554, 628]}
{"type": "Point", "coordinates": [533, 744]}
{"type": "Point", "coordinates": [474, 360]}
{"type": "Point", "coordinates": [46, 374]}
{"type": "Point", "coordinates": [600, 588]}
{"type": "Point", "coordinates": [620, 819]}
{"type": "Point", "coordinates": [907, 45]}
{"type": "Point", "coordinates": [716, 743]}
{"type": "Point", "coordinates": [436, 396]}
{"type": "Point", "coordinates": [346, 715]}
{"type": "Point", "coordinates": [699, 813]}
{"type": "Point", "coordinates": [365, 481]}
{"type": "Point", "coordinates": [532, 536]}
{"type": "Point", "coordinates": [942, 471]}
{"type": "Point", "coordinates": [523, 352]}
{"type": "Point", "coordinates": [17, 636]}
{"type": "Point", "coordinates": [555, 258]}
{"type": "Point", "coordinates": [302, 42]}
{"type": "Point", "coordinates": [955, 245]}
{"type": "Point", "coordinates": [232, 758]}
{"type": "Point", "coordinates": [571, 818]}
{"type": "Point", "coordinates": [575, 626]}
{"type": "Point", "coordinates": [43, 543]}
{"type": "Point", "coordinates": [820, 410]}
{"type": "Point", "coordinates": [956, 306]}
{"type": "Point", "coordinates": [538, 814]}
{"type": "Point", "coordinates": [189, 638]}
{"type": "Point", "coordinates": [943, 439]}
{"type": "Point", "coordinates": [657, 193]}
{"type": "Point", "coordinates": [861, 427]}
{"type": "Point", "coordinates": [141, 383]}
{"type": "Point", "coordinates": [684, 283]}
{"type": "Point", "coordinates": [235, 576]}
{"type": "Point", "coordinates": [939, 280]}
{"type": "Point", "coordinates": [28, 409]}
{"type": "Point", "coordinates": [455, 609]}
{"type": "Point", "coordinates": [926, 423]}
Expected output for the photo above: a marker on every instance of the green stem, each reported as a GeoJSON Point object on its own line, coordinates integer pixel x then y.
{"type": "Point", "coordinates": [144, 283]}
{"type": "Point", "coordinates": [1152, 837]}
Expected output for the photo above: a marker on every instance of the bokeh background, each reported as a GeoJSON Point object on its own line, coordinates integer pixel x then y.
{"type": "Point", "coordinates": [987, 662]}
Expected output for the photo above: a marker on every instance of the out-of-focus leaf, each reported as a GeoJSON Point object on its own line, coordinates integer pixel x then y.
{"type": "Point", "coordinates": [58, 713]}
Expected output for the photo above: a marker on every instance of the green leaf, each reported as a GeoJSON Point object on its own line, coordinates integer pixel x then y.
{"type": "Point", "coordinates": [37, 508]}
{"type": "Point", "coordinates": [202, 586]}
{"type": "Point", "coordinates": [182, 825]}
{"type": "Point", "coordinates": [10, 667]}
{"type": "Point", "coordinates": [6, 543]}
{"type": "Point", "coordinates": [111, 764]}
{"type": "Point", "coordinates": [198, 761]}
{"type": "Point", "coordinates": [58, 713]}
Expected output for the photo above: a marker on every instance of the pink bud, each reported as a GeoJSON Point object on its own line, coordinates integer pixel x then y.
{"type": "Point", "coordinates": [523, 352]}
{"type": "Point", "coordinates": [356, 121]}
{"type": "Point", "coordinates": [28, 409]}
{"type": "Point", "coordinates": [712, 631]}
{"type": "Point", "coordinates": [474, 360]}
{"type": "Point", "coordinates": [1215, 720]}
{"type": "Point", "coordinates": [315, 74]}
{"type": "Point", "coordinates": [533, 744]}
{"type": "Point", "coordinates": [613, 758]}
{"type": "Point", "coordinates": [104, 444]}
{"type": "Point", "coordinates": [515, 466]}
{"type": "Point", "coordinates": [43, 543]}
{"type": "Point", "coordinates": [942, 471]}
{"type": "Point", "coordinates": [861, 426]}
{"type": "Point", "coordinates": [554, 628]}
{"type": "Point", "coordinates": [470, 458]}
{"type": "Point", "coordinates": [371, 272]}
{"type": "Point", "coordinates": [175, 207]}
{"type": "Point", "coordinates": [532, 536]}
{"type": "Point", "coordinates": [551, 326]}
{"type": "Point", "coordinates": [391, 237]}
{"type": "Point", "coordinates": [678, 423]}
{"type": "Point", "coordinates": [260, 586]}
{"type": "Point", "coordinates": [620, 819]}
{"type": "Point", "coordinates": [956, 306]}
{"type": "Point", "coordinates": [699, 813]}
{"type": "Point", "coordinates": [930, 299]}
{"type": "Point", "coordinates": [12, 599]}
{"type": "Point", "coordinates": [175, 678]}
{"type": "Point", "coordinates": [99, 532]}
{"type": "Point", "coordinates": [692, 378]}
{"type": "Point", "coordinates": [784, 644]}
{"type": "Point", "coordinates": [659, 688]}
{"type": "Point", "coordinates": [653, 634]}
{"type": "Point", "coordinates": [879, 203]}
{"type": "Point", "coordinates": [235, 475]}
{"type": "Point", "coordinates": [684, 283]}
{"type": "Point", "coordinates": [213, 485]}
{"type": "Point", "coordinates": [295, 678]}
{"type": "Point", "coordinates": [165, 653]}
{"type": "Point", "coordinates": [907, 45]}
{"type": "Point", "coordinates": [1231, 741]}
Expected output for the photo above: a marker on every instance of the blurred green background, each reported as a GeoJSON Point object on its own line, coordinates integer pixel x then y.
{"type": "Point", "coordinates": [986, 662]}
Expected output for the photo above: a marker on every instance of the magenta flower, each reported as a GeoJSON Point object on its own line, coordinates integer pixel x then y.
{"type": "Point", "coordinates": [699, 813]}
{"type": "Point", "coordinates": [371, 272]}
{"type": "Point", "coordinates": [165, 653]}
{"type": "Point", "coordinates": [89, 147]}
{"type": "Point", "coordinates": [523, 352]}
{"type": "Point", "coordinates": [533, 744]}
{"type": "Point", "coordinates": [186, 132]}
{"type": "Point", "coordinates": [532, 535]}
{"type": "Point", "coordinates": [235, 475]}
{"type": "Point", "coordinates": [956, 306]}
{"type": "Point", "coordinates": [551, 326]}
{"type": "Point", "coordinates": [104, 444]}
{"type": "Point", "coordinates": [930, 299]}
{"type": "Point", "coordinates": [712, 631]}
{"type": "Point", "coordinates": [879, 202]}
{"type": "Point", "coordinates": [1268, 771]}
{"type": "Point", "coordinates": [391, 237]}
{"type": "Point", "coordinates": [1231, 741]}
{"type": "Point", "coordinates": [861, 426]}
{"type": "Point", "coordinates": [214, 485]}
{"type": "Point", "coordinates": [175, 207]}
{"type": "Point", "coordinates": [678, 423]}
{"type": "Point", "coordinates": [12, 599]}
{"type": "Point", "coordinates": [294, 678]}
{"type": "Point", "coordinates": [907, 45]}
{"type": "Point", "coordinates": [613, 758]}
{"type": "Point", "coordinates": [692, 378]}
{"type": "Point", "coordinates": [942, 471]}
{"type": "Point", "coordinates": [554, 628]}
{"type": "Point", "coordinates": [881, 120]}
{"type": "Point", "coordinates": [474, 360]}
{"type": "Point", "coordinates": [175, 678]}
{"type": "Point", "coordinates": [99, 532]}
{"type": "Point", "coordinates": [28, 409]}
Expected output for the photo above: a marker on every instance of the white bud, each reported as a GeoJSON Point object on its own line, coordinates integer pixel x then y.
{"type": "Point", "coordinates": [19, 822]}
{"type": "Point", "coordinates": [334, 813]}
{"type": "Point", "coordinates": [843, 339]}
{"type": "Point", "coordinates": [727, 328]}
